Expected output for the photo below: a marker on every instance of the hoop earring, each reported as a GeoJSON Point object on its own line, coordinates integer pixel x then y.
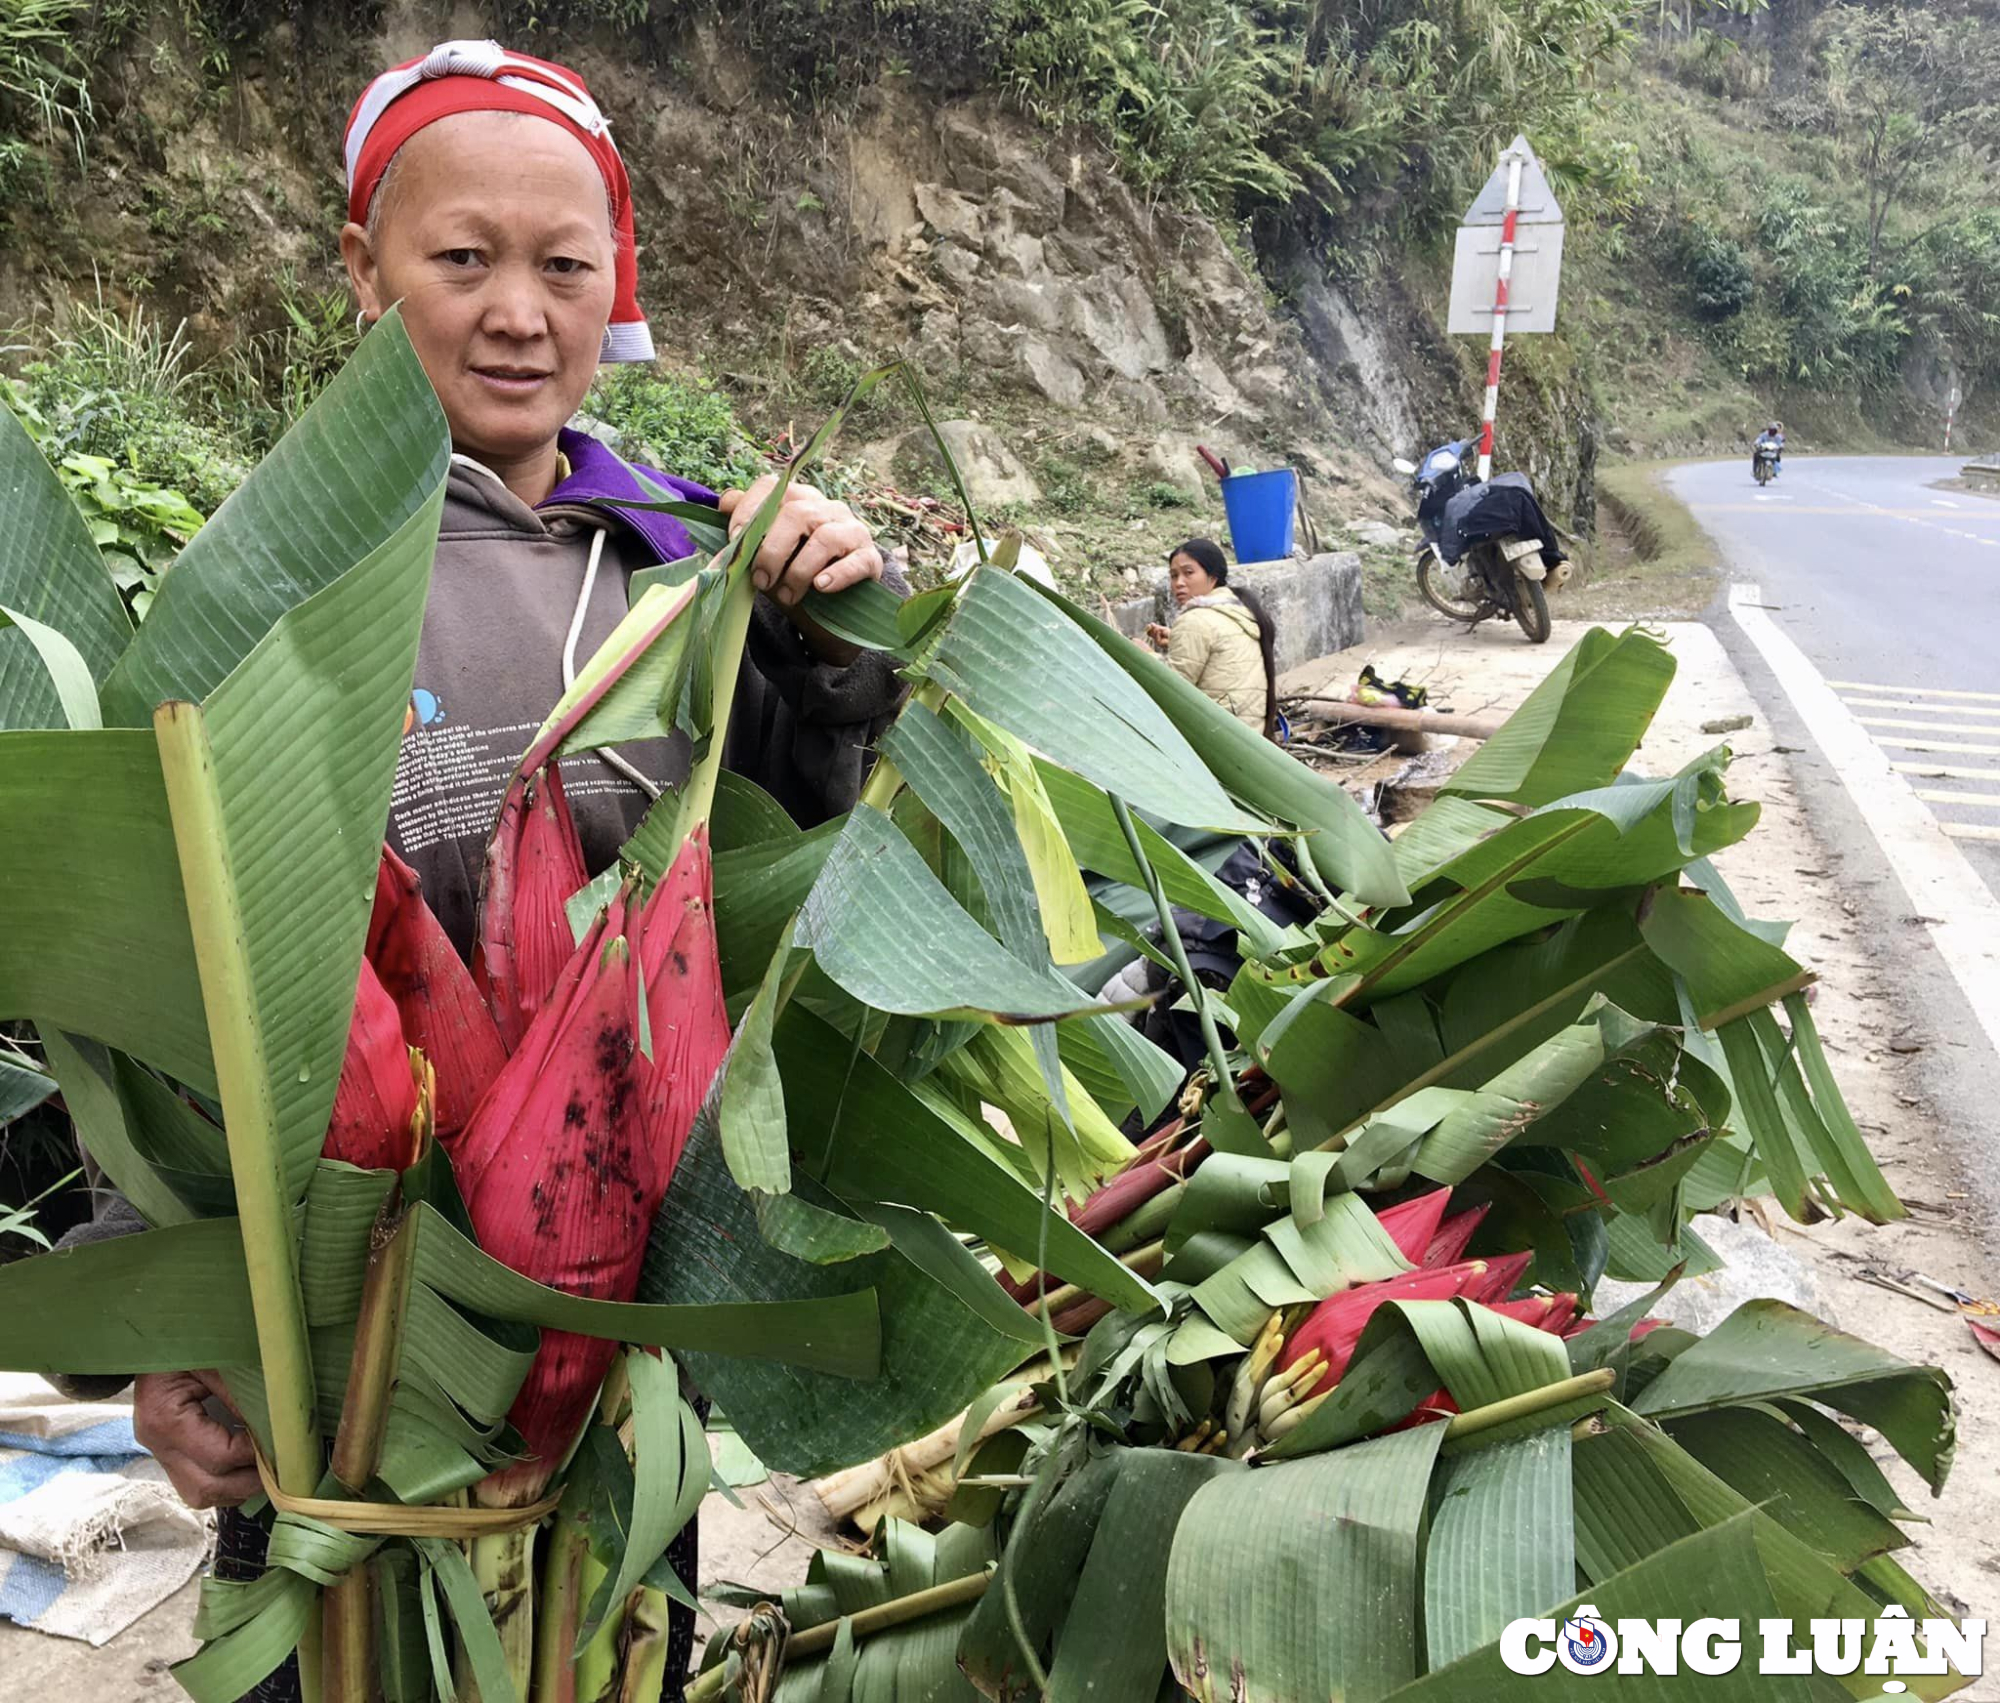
{"type": "Point", "coordinates": [361, 322]}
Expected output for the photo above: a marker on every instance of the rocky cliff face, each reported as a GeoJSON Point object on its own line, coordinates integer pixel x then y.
{"type": "Point", "coordinates": [1030, 284]}
{"type": "Point", "coordinates": [1002, 259]}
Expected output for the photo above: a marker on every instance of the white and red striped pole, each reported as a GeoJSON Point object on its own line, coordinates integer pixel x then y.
{"type": "Point", "coordinates": [1499, 343]}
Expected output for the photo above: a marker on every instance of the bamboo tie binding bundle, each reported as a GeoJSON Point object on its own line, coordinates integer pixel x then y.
{"type": "Point", "coordinates": [398, 1519]}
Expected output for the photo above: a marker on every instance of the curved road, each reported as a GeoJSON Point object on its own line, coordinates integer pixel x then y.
{"type": "Point", "coordinates": [1891, 588]}
{"type": "Point", "coordinates": [1865, 612]}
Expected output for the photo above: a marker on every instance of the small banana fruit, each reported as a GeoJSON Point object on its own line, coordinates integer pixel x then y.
{"type": "Point", "coordinates": [1293, 1417]}
{"type": "Point", "coordinates": [1251, 1371]}
{"type": "Point", "coordinates": [1289, 1387]}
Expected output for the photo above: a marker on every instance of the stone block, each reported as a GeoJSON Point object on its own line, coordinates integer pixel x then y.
{"type": "Point", "coordinates": [1754, 1267]}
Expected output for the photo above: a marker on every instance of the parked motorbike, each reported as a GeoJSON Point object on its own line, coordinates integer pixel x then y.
{"type": "Point", "coordinates": [1488, 549]}
{"type": "Point", "coordinates": [1765, 463]}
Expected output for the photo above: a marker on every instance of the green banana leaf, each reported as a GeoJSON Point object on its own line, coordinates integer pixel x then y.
{"type": "Point", "coordinates": [1346, 848]}
{"type": "Point", "coordinates": [1018, 659]}
{"type": "Point", "coordinates": [867, 1138]}
{"type": "Point", "coordinates": [941, 765]}
{"type": "Point", "coordinates": [937, 1351]}
{"type": "Point", "coordinates": [51, 572]}
{"type": "Point", "coordinates": [905, 1661]}
{"type": "Point", "coordinates": [1758, 1453]}
{"type": "Point", "coordinates": [63, 664]}
{"type": "Point", "coordinates": [1035, 1586]}
{"type": "Point", "coordinates": [321, 694]}
{"type": "Point", "coordinates": [23, 1086]}
{"type": "Point", "coordinates": [1315, 1527]}
{"type": "Point", "coordinates": [883, 927]}
{"type": "Point", "coordinates": [1717, 1572]}
{"type": "Point", "coordinates": [1568, 857]}
{"type": "Point", "coordinates": [1766, 1349]}
{"type": "Point", "coordinates": [1502, 1542]}
{"type": "Point", "coordinates": [98, 945]}
{"type": "Point", "coordinates": [359, 472]}
{"type": "Point", "coordinates": [104, 1124]}
{"type": "Point", "coordinates": [1578, 728]}
{"type": "Point", "coordinates": [128, 1305]}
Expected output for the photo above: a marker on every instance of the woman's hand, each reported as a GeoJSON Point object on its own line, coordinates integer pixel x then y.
{"type": "Point", "coordinates": [815, 544]}
{"type": "Point", "coordinates": [209, 1464]}
{"type": "Point", "coordinates": [1158, 636]}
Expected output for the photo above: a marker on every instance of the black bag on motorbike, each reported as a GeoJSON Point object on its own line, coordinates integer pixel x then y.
{"type": "Point", "coordinates": [1503, 507]}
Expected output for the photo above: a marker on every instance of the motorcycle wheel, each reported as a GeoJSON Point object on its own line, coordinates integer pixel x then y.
{"type": "Point", "coordinates": [1433, 579]}
{"type": "Point", "coordinates": [1763, 473]}
{"type": "Point", "coordinates": [1531, 609]}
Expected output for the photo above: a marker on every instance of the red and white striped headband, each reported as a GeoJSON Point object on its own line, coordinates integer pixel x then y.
{"type": "Point", "coordinates": [483, 76]}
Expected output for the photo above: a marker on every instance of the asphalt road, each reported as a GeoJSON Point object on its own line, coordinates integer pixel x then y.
{"type": "Point", "coordinates": [1864, 613]}
{"type": "Point", "coordinates": [1891, 588]}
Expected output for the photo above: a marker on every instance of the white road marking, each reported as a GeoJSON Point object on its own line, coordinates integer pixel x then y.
{"type": "Point", "coordinates": [1945, 772]}
{"type": "Point", "coordinates": [1929, 726]}
{"type": "Point", "coordinates": [1909, 708]}
{"type": "Point", "coordinates": [1972, 830]}
{"type": "Point", "coordinates": [1978, 800]}
{"type": "Point", "coordinates": [1943, 503]}
{"type": "Point", "coordinates": [1902, 744]}
{"type": "Point", "coordinates": [1914, 691]}
{"type": "Point", "coordinates": [1939, 882]}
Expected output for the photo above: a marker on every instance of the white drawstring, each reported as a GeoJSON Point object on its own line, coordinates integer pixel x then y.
{"type": "Point", "coordinates": [616, 763]}
{"type": "Point", "coordinates": [611, 758]}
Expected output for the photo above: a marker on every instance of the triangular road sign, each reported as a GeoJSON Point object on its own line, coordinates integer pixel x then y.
{"type": "Point", "coordinates": [1538, 200]}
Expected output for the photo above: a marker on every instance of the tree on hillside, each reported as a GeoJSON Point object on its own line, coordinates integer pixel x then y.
{"type": "Point", "coordinates": [1914, 87]}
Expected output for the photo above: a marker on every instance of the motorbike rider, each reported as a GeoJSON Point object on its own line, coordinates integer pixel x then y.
{"type": "Point", "coordinates": [1773, 439]}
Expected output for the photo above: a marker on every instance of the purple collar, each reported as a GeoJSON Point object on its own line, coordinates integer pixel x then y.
{"type": "Point", "coordinates": [596, 472]}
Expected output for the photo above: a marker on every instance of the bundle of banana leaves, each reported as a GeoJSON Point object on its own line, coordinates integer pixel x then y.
{"type": "Point", "coordinates": [1365, 1372]}
{"type": "Point", "coordinates": [1540, 999]}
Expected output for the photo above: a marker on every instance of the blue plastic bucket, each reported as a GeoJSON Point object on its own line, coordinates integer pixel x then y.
{"type": "Point", "coordinates": [1260, 508]}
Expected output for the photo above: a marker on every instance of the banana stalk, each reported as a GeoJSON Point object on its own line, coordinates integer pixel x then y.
{"type": "Point", "coordinates": [645, 1647]}
{"type": "Point", "coordinates": [595, 1674]}
{"type": "Point", "coordinates": [378, 1347]}
{"type": "Point", "coordinates": [504, 1565]}
{"type": "Point", "coordinates": [264, 1205]}
{"type": "Point", "coordinates": [560, 1610]}
{"type": "Point", "coordinates": [347, 1639]}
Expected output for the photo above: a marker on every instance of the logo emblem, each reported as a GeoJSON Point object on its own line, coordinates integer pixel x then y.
{"type": "Point", "coordinates": [1588, 1644]}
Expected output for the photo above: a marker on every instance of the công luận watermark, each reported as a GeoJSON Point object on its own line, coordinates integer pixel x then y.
{"type": "Point", "coordinates": [1893, 1647]}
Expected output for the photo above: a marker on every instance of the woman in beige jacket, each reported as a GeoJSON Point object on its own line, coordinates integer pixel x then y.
{"type": "Point", "coordinates": [1222, 639]}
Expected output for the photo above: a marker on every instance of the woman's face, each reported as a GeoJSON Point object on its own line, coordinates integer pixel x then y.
{"type": "Point", "coordinates": [1189, 580]}
{"type": "Point", "coordinates": [494, 234]}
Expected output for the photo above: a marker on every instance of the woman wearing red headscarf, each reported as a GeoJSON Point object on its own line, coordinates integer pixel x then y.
{"type": "Point", "coordinates": [487, 200]}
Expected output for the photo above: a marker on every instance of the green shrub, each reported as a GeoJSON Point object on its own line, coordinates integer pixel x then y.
{"type": "Point", "coordinates": [1165, 494]}
{"type": "Point", "coordinates": [1718, 65]}
{"type": "Point", "coordinates": [138, 525]}
{"type": "Point", "coordinates": [1842, 323]}
{"type": "Point", "coordinates": [679, 425]}
{"type": "Point", "coordinates": [1066, 488]}
{"type": "Point", "coordinates": [1720, 279]}
{"type": "Point", "coordinates": [269, 379]}
{"type": "Point", "coordinates": [827, 375]}
{"type": "Point", "coordinates": [41, 76]}
{"type": "Point", "coordinates": [127, 390]}
{"type": "Point", "coordinates": [1952, 272]}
